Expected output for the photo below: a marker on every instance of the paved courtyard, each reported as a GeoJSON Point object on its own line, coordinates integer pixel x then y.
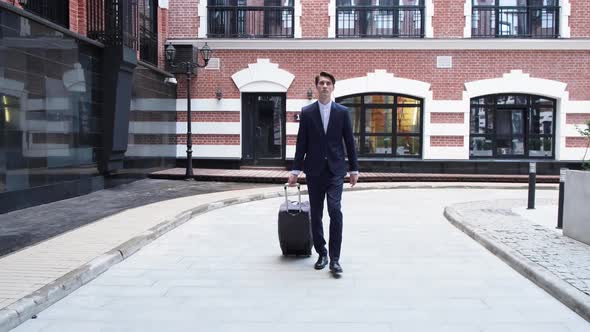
{"type": "Point", "coordinates": [406, 268]}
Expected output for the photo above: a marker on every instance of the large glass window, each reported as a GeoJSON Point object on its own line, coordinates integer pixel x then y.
{"type": "Point", "coordinates": [250, 18]}
{"type": "Point", "coordinates": [386, 125]}
{"type": "Point", "coordinates": [148, 31]}
{"type": "Point", "coordinates": [512, 126]}
{"type": "Point", "coordinates": [515, 18]}
{"type": "Point", "coordinates": [380, 18]}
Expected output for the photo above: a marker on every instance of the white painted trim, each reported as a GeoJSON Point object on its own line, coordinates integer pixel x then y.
{"type": "Point", "coordinates": [446, 106]}
{"type": "Point", "coordinates": [163, 4]}
{"type": "Point", "coordinates": [448, 129]}
{"type": "Point", "coordinates": [381, 81]}
{"type": "Point", "coordinates": [295, 105]}
{"type": "Point", "coordinates": [202, 13]}
{"type": "Point", "coordinates": [263, 76]}
{"type": "Point", "coordinates": [467, 11]}
{"type": "Point", "coordinates": [564, 15]}
{"type": "Point", "coordinates": [564, 19]}
{"type": "Point", "coordinates": [429, 14]}
{"type": "Point", "coordinates": [516, 82]}
{"type": "Point", "coordinates": [290, 152]}
{"type": "Point", "coordinates": [292, 128]}
{"type": "Point", "coordinates": [332, 14]}
{"type": "Point", "coordinates": [446, 152]}
{"type": "Point", "coordinates": [297, 19]}
{"type": "Point", "coordinates": [179, 151]}
{"type": "Point", "coordinates": [571, 130]}
{"type": "Point", "coordinates": [225, 104]}
{"type": "Point", "coordinates": [391, 44]}
{"type": "Point", "coordinates": [578, 106]}
{"type": "Point", "coordinates": [215, 128]}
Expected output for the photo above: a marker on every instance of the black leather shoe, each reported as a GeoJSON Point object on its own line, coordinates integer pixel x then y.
{"type": "Point", "coordinates": [322, 262]}
{"type": "Point", "coordinates": [335, 267]}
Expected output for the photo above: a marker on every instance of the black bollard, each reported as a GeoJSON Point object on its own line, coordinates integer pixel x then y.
{"type": "Point", "coordinates": [532, 181]}
{"type": "Point", "coordinates": [561, 197]}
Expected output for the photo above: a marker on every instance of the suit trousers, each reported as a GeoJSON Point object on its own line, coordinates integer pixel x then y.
{"type": "Point", "coordinates": [319, 187]}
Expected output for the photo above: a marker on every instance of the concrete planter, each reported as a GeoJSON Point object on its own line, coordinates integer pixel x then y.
{"type": "Point", "coordinates": [576, 207]}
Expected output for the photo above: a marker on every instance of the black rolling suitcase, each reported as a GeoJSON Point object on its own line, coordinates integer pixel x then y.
{"type": "Point", "coordinates": [295, 226]}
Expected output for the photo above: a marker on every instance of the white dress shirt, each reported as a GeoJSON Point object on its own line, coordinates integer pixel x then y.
{"type": "Point", "coordinates": [325, 115]}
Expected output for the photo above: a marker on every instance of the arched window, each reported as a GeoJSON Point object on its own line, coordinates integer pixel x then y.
{"type": "Point", "coordinates": [512, 126]}
{"type": "Point", "coordinates": [386, 125]}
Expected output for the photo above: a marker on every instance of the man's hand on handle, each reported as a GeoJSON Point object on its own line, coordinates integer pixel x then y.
{"type": "Point", "coordinates": [292, 179]}
{"type": "Point", "coordinates": [353, 179]}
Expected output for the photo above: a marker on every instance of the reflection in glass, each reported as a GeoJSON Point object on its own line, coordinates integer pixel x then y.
{"type": "Point", "coordinates": [378, 99]}
{"type": "Point", "coordinates": [481, 122]}
{"type": "Point", "coordinates": [541, 121]}
{"type": "Point", "coordinates": [378, 120]}
{"type": "Point", "coordinates": [540, 147]}
{"type": "Point", "coordinates": [480, 146]}
{"type": "Point", "coordinates": [378, 145]}
{"type": "Point", "coordinates": [408, 145]}
{"type": "Point", "coordinates": [350, 100]}
{"type": "Point", "coordinates": [512, 100]}
{"type": "Point", "coordinates": [407, 100]}
{"type": "Point", "coordinates": [408, 120]}
{"type": "Point", "coordinates": [355, 117]}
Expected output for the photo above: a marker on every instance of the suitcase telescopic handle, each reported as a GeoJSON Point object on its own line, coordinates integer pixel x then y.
{"type": "Point", "coordinates": [287, 195]}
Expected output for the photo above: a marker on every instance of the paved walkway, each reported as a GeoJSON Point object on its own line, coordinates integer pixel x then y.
{"type": "Point", "coordinates": [529, 242]}
{"type": "Point", "coordinates": [221, 271]}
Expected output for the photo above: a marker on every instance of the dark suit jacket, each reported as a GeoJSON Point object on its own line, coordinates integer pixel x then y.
{"type": "Point", "coordinates": [317, 146]}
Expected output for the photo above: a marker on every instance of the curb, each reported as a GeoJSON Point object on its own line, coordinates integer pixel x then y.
{"type": "Point", "coordinates": [30, 305]}
{"type": "Point", "coordinates": [556, 287]}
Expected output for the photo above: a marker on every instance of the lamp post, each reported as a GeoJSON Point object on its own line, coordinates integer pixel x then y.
{"type": "Point", "coordinates": [190, 64]}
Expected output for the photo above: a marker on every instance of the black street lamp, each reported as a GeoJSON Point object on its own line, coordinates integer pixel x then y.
{"type": "Point", "coordinates": [190, 64]}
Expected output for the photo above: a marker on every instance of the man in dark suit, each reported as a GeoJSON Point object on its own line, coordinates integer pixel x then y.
{"type": "Point", "coordinates": [323, 127]}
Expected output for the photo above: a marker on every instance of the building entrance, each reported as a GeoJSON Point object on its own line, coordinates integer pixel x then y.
{"type": "Point", "coordinates": [263, 129]}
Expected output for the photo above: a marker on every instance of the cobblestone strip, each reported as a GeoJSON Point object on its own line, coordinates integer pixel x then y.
{"type": "Point", "coordinates": [555, 262]}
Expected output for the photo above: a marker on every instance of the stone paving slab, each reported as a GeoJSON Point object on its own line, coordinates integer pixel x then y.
{"type": "Point", "coordinates": [536, 249]}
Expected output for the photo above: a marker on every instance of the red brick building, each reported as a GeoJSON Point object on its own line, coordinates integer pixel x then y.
{"type": "Point", "coordinates": [428, 82]}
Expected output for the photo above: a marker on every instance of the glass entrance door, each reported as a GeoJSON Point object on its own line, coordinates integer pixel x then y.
{"type": "Point", "coordinates": [263, 129]}
{"type": "Point", "coordinates": [510, 132]}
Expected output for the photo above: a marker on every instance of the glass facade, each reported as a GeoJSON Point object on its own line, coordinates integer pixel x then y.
{"type": "Point", "coordinates": [50, 123]}
{"type": "Point", "coordinates": [51, 114]}
{"type": "Point", "coordinates": [386, 125]}
{"type": "Point", "coordinates": [512, 126]}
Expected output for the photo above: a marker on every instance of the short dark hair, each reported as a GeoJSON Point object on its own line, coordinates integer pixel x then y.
{"type": "Point", "coordinates": [325, 74]}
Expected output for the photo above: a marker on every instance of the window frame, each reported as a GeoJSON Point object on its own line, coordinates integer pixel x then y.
{"type": "Point", "coordinates": [393, 15]}
{"type": "Point", "coordinates": [363, 134]}
{"type": "Point", "coordinates": [527, 109]}
{"type": "Point", "coordinates": [527, 10]}
{"type": "Point", "coordinates": [237, 13]}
